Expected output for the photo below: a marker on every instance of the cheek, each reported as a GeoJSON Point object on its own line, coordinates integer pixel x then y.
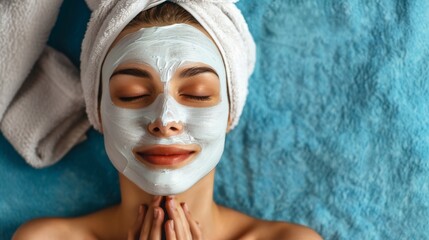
{"type": "Point", "coordinates": [207, 124]}
{"type": "Point", "coordinates": [122, 124]}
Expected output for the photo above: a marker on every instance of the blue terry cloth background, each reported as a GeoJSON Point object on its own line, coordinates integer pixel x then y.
{"type": "Point", "coordinates": [334, 135]}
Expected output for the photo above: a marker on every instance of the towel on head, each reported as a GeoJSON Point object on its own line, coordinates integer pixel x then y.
{"type": "Point", "coordinates": [221, 19]}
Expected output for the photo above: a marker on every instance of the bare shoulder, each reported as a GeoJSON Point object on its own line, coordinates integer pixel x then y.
{"type": "Point", "coordinates": [284, 230]}
{"type": "Point", "coordinates": [51, 229]}
{"type": "Point", "coordinates": [249, 228]}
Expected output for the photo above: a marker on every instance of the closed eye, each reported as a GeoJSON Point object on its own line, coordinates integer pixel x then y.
{"type": "Point", "coordinates": [197, 98]}
{"type": "Point", "coordinates": [133, 98]}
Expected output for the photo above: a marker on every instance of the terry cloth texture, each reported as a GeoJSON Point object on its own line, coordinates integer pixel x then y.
{"type": "Point", "coordinates": [42, 112]}
{"type": "Point", "coordinates": [334, 134]}
{"type": "Point", "coordinates": [24, 27]}
{"type": "Point", "coordinates": [47, 116]}
{"type": "Point", "coordinates": [222, 20]}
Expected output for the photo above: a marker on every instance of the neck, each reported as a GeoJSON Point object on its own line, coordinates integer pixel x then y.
{"type": "Point", "coordinates": [199, 198]}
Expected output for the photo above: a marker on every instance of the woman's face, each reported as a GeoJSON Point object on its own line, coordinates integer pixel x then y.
{"type": "Point", "coordinates": [164, 107]}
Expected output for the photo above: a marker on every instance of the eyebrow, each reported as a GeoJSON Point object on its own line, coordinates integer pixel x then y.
{"type": "Point", "coordinates": [190, 72]}
{"type": "Point", "coordinates": [133, 72]}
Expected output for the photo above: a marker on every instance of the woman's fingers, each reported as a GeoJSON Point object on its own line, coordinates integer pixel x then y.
{"type": "Point", "coordinates": [184, 221]}
{"type": "Point", "coordinates": [169, 230]}
{"type": "Point", "coordinates": [181, 226]}
{"type": "Point", "coordinates": [193, 225]}
{"type": "Point", "coordinates": [174, 214]}
{"type": "Point", "coordinates": [134, 231]}
{"type": "Point", "coordinates": [158, 218]}
{"type": "Point", "coordinates": [147, 222]}
{"type": "Point", "coordinates": [185, 227]}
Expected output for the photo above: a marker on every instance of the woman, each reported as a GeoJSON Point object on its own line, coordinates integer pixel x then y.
{"type": "Point", "coordinates": [164, 110]}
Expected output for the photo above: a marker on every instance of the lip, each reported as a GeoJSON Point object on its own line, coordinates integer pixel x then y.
{"type": "Point", "coordinates": [167, 155]}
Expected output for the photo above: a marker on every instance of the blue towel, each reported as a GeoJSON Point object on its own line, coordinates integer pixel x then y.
{"type": "Point", "coordinates": [334, 135]}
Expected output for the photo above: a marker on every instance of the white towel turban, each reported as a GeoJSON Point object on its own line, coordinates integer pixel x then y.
{"type": "Point", "coordinates": [221, 19]}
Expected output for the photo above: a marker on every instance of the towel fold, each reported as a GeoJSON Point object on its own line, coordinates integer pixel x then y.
{"type": "Point", "coordinates": [221, 19]}
{"type": "Point", "coordinates": [24, 26]}
{"type": "Point", "coordinates": [41, 106]}
{"type": "Point", "coordinates": [47, 117]}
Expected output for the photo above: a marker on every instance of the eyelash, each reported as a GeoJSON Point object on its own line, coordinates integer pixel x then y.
{"type": "Point", "coordinates": [197, 98]}
{"type": "Point", "coordinates": [132, 99]}
{"type": "Point", "coordinates": [136, 98]}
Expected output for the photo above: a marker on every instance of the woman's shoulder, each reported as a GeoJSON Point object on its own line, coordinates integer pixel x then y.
{"type": "Point", "coordinates": [284, 230]}
{"type": "Point", "coordinates": [254, 229]}
{"type": "Point", "coordinates": [51, 229]}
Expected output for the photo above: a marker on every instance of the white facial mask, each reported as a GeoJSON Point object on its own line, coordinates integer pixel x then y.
{"type": "Point", "coordinates": [165, 49]}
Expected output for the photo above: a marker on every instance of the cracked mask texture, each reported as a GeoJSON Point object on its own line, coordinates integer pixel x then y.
{"type": "Point", "coordinates": [165, 49]}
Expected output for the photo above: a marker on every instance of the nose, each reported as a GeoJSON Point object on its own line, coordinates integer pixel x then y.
{"type": "Point", "coordinates": [157, 129]}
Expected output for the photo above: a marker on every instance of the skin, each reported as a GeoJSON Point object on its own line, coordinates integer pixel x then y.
{"type": "Point", "coordinates": [189, 215]}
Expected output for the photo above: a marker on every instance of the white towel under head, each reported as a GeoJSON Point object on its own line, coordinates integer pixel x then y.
{"type": "Point", "coordinates": [221, 19]}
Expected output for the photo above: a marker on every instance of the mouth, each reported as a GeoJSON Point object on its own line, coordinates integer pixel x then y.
{"type": "Point", "coordinates": [167, 156]}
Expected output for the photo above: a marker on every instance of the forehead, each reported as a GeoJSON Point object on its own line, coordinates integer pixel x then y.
{"type": "Point", "coordinates": [165, 47]}
{"type": "Point", "coordinates": [131, 29]}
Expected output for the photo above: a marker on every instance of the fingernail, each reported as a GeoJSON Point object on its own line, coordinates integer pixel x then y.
{"type": "Point", "coordinates": [155, 213]}
{"type": "Point", "coordinates": [172, 204]}
{"type": "Point", "coordinates": [172, 225]}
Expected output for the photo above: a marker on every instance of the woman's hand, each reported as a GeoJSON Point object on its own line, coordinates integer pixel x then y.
{"type": "Point", "coordinates": [180, 225]}
{"type": "Point", "coordinates": [149, 221]}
